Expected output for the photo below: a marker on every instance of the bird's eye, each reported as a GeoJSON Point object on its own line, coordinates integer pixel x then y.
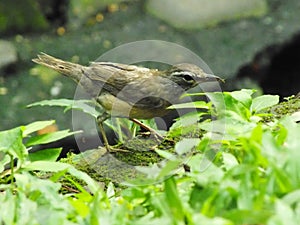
{"type": "Point", "coordinates": [188, 78]}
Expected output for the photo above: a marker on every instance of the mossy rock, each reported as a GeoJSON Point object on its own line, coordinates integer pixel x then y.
{"type": "Point", "coordinates": [122, 166]}
{"type": "Point", "coordinates": [118, 166]}
{"type": "Point", "coordinates": [286, 107]}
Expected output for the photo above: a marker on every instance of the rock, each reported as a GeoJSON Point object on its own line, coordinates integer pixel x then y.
{"type": "Point", "coordinates": [8, 54]}
{"type": "Point", "coordinates": [195, 14]}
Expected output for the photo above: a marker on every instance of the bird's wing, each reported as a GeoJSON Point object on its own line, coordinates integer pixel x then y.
{"type": "Point", "coordinates": [114, 76]}
{"type": "Point", "coordinates": [137, 86]}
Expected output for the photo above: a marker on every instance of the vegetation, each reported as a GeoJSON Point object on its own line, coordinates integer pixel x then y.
{"type": "Point", "coordinates": [242, 167]}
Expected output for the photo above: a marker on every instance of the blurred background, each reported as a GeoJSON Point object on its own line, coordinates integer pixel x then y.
{"type": "Point", "coordinates": [252, 44]}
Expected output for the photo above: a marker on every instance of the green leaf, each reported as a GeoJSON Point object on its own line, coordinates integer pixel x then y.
{"type": "Point", "coordinates": [186, 145]}
{"type": "Point", "coordinates": [218, 101]}
{"type": "Point", "coordinates": [229, 160]}
{"type": "Point", "coordinates": [283, 214]}
{"type": "Point", "coordinates": [187, 119]}
{"type": "Point", "coordinates": [225, 102]}
{"type": "Point", "coordinates": [236, 106]}
{"type": "Point", "coordinates": [35, 126]}
{"type": "Point", "coordinates": [257, 133]}
{"type": "Point", "coordinates": [46, 166]}
{"type": "Point", "coordinates": [292, 197]}
{"type": "Point", "coordinates": [11, 143]}
{"type": "Point", "coordinates": [281, 134]}
{"type": "Point", "coordinates": [204, 171]}
{"type": "Point", "coordinates": [11, 140]}
{"type": "Point", "coordinates": [193, 105]}
{"type": "Point", "coordinates": [4, 160]}
{"type": "Point", "coordinates": [110, 192]}
{"type": "Point", "coordinates": [54, 102]}
{"type": "Point", "coordinates": [263, 102]}
{"type": "Point", "coordinates": [49, 137]}
{"type": "Point", "coordinates": [239, 216]}
{"type": "Point", "coordinates": [169, 168]}
{"type": "Point", "coordinates": [58, 166]}
{"type": "Point", "coordinates": [296, 116]}
{"type": "Point", "coordinates": [165, 154]}
{"type": "Point", "coordinates": [92, 185]}
{"type": "Point", "coordinates": [50, 154]}
{"type": "Point", "coordinates": [173, 199]}
{"type": "Point", "coordinates": [228, 127]}
{"type": "Point", "coordinates": [9, 205]}
{"type": "Point", "coordinates": [243, 96]}
{"type": "Point", "coordinates": [70, 104]}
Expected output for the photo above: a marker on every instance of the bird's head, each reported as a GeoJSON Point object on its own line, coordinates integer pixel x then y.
{"type": "Point", "coordinates": [189, 75]}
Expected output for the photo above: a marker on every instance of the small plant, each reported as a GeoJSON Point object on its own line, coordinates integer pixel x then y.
{"type": "Point", "coordinates": [24, 197]}
{"type": "Point", "coordinates": [242, 169]}
{"type": "Point", "coordinates": [124, 128]}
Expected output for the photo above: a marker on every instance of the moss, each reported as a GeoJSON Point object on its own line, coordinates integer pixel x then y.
{"type": "Point", "coordinates": [117, 166]}
{"type": "Point", "coordinates": [287, 107]}
{"type": "Point", "coordinates": [191, 131]}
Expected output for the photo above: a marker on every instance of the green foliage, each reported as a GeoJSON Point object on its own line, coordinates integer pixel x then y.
{"type": "Point", "coordinates": [20, 16]}
{"type": "Point", "coordinates": [70, 104]}
{"type": "Point", "coordinates": [15, 144]}
{"type": "Point", "coordinates": [123, 127]}
{"type": "Point", "coordinates": [242, 170]}
{"type": "Point", "coordinates": [27, 199]}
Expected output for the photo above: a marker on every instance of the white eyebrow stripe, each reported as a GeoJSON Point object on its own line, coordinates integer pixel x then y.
{"type": "Point", "coordinates": [183, 73]}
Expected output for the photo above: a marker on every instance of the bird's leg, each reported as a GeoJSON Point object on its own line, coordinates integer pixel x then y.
{"type": "Point", "coordinates": [144, 126]}
{"type": "Point", "coordinates": [100, 121]}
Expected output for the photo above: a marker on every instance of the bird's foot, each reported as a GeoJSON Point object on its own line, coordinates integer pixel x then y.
{"type": "Point", "coordinates": [109, 148]}
{"type": "Point", "coordinates": [156, 135]}
{"type": "Point", "coordinates": [112, 149]}
{"type": "Point", "coordinates": [153, 132]}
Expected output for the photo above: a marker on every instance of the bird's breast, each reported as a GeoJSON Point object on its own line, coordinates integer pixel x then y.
{"type": "Point", "coordinates": [120, 108]}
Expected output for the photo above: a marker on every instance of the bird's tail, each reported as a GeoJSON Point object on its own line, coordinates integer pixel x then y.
{"type": "Point", "coordinates": [69, 69]}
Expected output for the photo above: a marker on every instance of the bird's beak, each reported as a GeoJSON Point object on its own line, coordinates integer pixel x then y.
{"type": "Point", "coordinates": [211, 77]}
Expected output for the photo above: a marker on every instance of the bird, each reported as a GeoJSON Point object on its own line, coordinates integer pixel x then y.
{"type": "Point", "coordinates": [130, 91]}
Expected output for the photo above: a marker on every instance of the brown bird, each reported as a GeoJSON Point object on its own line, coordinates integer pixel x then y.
{"type": "Point", "coordinates": [130, 91]}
